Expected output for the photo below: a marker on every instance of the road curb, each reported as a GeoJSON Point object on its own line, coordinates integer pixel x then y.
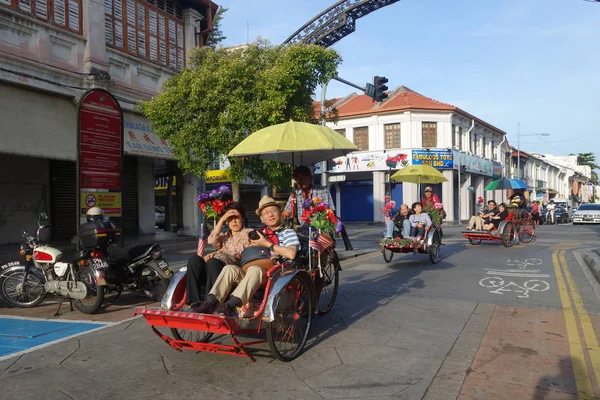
{"type": "Point", "coordinates": [593, 263]}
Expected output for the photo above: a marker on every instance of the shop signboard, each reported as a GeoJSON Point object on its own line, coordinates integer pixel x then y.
{"type": "Point", "coordinates": [140, 139]}
{"type": "Point", "coordinates": [109, 202]}
{"type": "Point", "coordinates": [100, 141]}
{"type": "Point", "coordinates": [441, 159]}
{"type": "Point", "coordinates": [477, 165]}
{"type": "Point", "coordinates": [382, 160]}
{"type": "Point", "coordinates": [217, 176]}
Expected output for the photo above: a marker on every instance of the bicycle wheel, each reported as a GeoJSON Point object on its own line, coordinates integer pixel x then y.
{"type": "Point", "coordinates": [191, 335]}
{"type": "Point", "coordinates": [526, 231]}
{"type": "Point", "coordinates": [387, 254]}
{"type": "Point", "coordinates": [509, 235]}
{"type": "Point", "coordinates": [329, 283]}
{"type": "Point", "coordinates": [22, 294]}
{"type": "Point", "coordinates": [434, 250]}
{"type": "Point", "coordinates": [288, 332]}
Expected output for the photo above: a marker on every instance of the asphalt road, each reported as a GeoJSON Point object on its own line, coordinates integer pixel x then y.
{"type": "Point", "coordinates": [486, 322]}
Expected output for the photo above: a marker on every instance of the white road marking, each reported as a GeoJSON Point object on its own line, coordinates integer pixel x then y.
{"type": "Point", "coordinates": [499, 287]}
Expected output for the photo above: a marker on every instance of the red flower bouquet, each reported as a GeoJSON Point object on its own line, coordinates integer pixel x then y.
{"type": "Point", "coordinates": [319, 216]}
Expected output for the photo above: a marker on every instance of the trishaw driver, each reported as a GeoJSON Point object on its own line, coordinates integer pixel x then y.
{"type": "Point", "coordinates": [247, 283]}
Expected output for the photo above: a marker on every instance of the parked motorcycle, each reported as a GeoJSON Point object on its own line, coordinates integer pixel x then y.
{"type": "Point", "coordinates": [25, 284]}
{"type": "Point", "coordinates": [140, 269]}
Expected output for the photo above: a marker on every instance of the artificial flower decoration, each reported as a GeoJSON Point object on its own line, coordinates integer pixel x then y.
{"type": "Point", "coordinates": [318, 215]}
{"type": "Point", "coordinates": [388, 208]}
{"type": "Point", "coordinates": [212, 203]}
{"type": "Point", "coordinates": [434, 212]}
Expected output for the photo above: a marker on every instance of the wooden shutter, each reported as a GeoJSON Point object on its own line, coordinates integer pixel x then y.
{"type": "Point", "coordinates": [180, 51]}
{"type": "Point", "coordinates": [41, 9]}
{"type": "Point", "coordinates": [141, 30]}
{"type": "Point", "coordinates": [74, 15]}
{"type": "Point", "coordinates": [25, 5]}
{"type": "Point", "coordinates": [60, 17]}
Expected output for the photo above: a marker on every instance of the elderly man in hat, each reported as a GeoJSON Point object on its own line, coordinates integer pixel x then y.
{"type": "Point", "coordinates": [283, 243]}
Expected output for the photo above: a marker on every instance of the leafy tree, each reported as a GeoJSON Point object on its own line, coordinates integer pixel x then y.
{"type": "Point", "coordinates": [216, 36]}
{"type": "Point", "coordinates": [225, 94]}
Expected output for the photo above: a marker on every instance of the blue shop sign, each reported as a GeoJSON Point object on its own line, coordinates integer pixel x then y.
{"type": "Point", "coordinates": [441, 159]}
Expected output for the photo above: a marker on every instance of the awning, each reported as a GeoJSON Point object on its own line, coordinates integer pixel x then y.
{"type": "Point", "coordinates": [37, 124]}
{"type": "Point", "coordinates": [140, 139]}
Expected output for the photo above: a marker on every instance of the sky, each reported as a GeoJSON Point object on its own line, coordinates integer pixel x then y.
{"type": "Point", "coordinates": [527, 63]}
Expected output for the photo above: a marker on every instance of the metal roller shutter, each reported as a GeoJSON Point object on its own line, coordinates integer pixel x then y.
{"type": "Point", "coordinates": [63, 199]}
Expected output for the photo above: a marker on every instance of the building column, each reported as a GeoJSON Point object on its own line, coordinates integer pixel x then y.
{"type": "Point", "coordinates": [448, 194]}
{"type": "Point", "coordinates": [378, 195]}
{"type": "Point", "coordinates": [93, 28]}
{"type": "Point", "coordinates": [338, 200]}
{"type": "Point", "coordinates": [465, 211]}
{"type": "Point", "coordinates": [145, 187]}
{"type": "Point", "coordinates": [191, 189]}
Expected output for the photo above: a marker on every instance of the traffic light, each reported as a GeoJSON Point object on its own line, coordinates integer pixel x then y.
{"type": "Point", "coordinates": [380, 88]}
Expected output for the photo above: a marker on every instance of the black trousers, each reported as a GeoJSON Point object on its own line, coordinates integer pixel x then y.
{"type": "Point", "coordinates": [201, 274]}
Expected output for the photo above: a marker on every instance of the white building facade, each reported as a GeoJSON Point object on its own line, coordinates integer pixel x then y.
{"type": "Point", "coordinates": [406, 129]}
{"type": "Point", "coordinates": [51, 52]}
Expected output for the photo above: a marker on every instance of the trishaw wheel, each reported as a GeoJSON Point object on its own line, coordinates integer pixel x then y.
{"type": "Point", "coordinates": [387, 254]}
{"type": "Point", "coordinates": [434, 249]}
{"type": "Point", "coordinates": [509, 234]}
{"type": "Point", "coordinates": [526, 232]}
{"type": "Point", "coordinates": [330, 284]}
{"type": "Point", "coordinates": [474, 242]}
{"type": "Point", "coordinates": [191, 335]}
{"type": "Point", "coordinates": [288, 332]}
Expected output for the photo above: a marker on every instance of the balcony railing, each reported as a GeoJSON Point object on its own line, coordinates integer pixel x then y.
{"type": "Point", "coordinates": [540, 184]}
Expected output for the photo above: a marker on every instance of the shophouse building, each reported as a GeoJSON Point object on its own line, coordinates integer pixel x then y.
{"type": "Point", "coordinates": [411, 129]}
{"type": "Point", "coordinates": [51, 52]}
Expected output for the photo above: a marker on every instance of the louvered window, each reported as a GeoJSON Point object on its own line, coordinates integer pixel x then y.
{"type": "Point", "coordinates": [25, 6]}
{"type": "Point", "coordinates": [59, 13]}
{"type": "Point", "coordinates": [41, 9]}
{"type": "Point", "coordinates": [153, 30]}
{"type": "Point", "coordinates": [65, 14]}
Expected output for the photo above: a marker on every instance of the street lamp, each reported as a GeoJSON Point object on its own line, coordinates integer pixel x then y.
{"type": "Point", "coordinates": [519, 147]}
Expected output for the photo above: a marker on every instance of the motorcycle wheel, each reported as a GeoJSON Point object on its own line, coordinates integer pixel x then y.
{"type": "Point", "coordinates": [95, 293]}
{"type": "Point", "coordinates": [13, 293]}
{"type": "Point", "coordinates": [154, 282]}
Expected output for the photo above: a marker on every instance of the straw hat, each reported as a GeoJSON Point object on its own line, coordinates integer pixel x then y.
{"type": "Point", "coordinates": [266, 201]}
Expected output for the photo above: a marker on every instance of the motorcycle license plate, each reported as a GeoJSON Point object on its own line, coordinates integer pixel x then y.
{"type": "Point", "coordinates": [99, 264]}
{"type": "Point", "coordinates": [163, 264]}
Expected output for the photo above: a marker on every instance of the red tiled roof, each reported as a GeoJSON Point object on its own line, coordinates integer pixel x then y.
{"type": "Point", "coordinates": [401, 99]}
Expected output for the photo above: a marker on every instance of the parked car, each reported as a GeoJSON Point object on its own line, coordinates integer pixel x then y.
{"type": "Point", "coordinates": [159, 216]}
{"type": "Point", "coordinates": [587, 214]}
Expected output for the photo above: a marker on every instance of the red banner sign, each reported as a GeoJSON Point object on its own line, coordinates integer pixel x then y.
{"type": "Point", "coordinates": [100, 141]}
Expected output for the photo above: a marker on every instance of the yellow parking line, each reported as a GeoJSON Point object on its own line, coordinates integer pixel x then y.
{"type": "Point", "coordinates": [586, 323]}
{"type": "Point", "coordinates": [582, 377]}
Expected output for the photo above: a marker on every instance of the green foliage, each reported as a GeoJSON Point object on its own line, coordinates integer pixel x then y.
{"type": "Point", "coordinates": [224, 95]}
{"type": "Point", "coordinates": [216, 36]}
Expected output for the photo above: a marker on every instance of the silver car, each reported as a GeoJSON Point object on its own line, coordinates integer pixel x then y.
{"type": "Point", "coordinates": [587, 214]}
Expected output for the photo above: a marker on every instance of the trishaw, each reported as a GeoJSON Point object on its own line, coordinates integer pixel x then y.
{"type": "Point", "coordinates": [517, 226]}
{"type": "Point", "coordinates": [294, 291]}
{"type": "Point", "coordinates": [431, 245]}
{"type": "Point", "coordinates": [419, 174]}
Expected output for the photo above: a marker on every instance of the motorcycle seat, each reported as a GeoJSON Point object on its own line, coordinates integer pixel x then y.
{"type": "Point", "coordinates": [138, 252]}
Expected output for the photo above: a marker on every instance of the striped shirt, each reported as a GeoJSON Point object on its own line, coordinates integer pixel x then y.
{"type": "Point", "coordinates": [316, 191]}
{"type": "Point", "coordinates": [288, 238]}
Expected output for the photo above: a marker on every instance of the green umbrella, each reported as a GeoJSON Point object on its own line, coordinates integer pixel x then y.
{"type": "Point", "coordinates": [419, 174]}
{"type": "Point", "coordinates": [294, 143]}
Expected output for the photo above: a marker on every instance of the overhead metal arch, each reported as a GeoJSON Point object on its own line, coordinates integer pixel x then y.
{"type": "Point", "coordinates": [336, 22]}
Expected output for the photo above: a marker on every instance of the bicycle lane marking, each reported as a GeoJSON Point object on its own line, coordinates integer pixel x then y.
{"type": "Point", "coordinates": [589, 333]}
{"type": "Point", "coordinates": [580, 370]}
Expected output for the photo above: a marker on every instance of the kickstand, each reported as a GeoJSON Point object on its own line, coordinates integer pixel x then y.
{"type": "Point", "coordinates": [60, 305]}
{"type": "Point", "coordinates": [119, 291]}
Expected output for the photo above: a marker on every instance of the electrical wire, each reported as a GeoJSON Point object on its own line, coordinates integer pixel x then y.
{"type": "Point", "coordinates": [567, 140]}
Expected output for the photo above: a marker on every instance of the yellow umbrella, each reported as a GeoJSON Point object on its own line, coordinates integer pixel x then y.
{"type": "Point", "coordinates": [294, 143]}
{"type": "Point", "coordinates": [419, 174]}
